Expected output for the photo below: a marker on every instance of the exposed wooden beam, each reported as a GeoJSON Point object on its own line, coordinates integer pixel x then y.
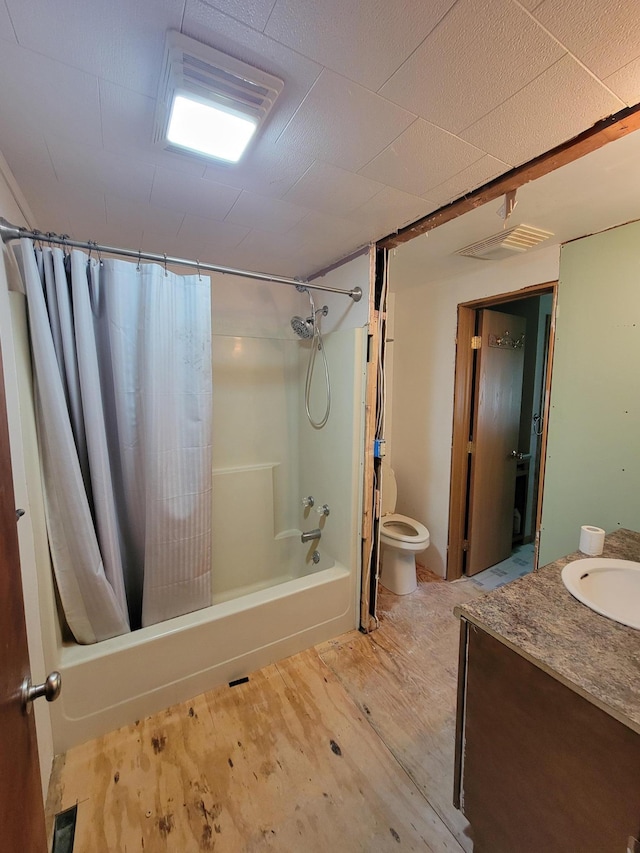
{"type": "Point", "coordinates": [608, 130]}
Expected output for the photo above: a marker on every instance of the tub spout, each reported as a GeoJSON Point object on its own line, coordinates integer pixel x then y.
{"type": "Point", "coordinates": [310, 535]}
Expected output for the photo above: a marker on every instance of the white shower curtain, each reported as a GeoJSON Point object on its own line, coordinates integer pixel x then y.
{"type": "Point", "coordinates": [122, 363]}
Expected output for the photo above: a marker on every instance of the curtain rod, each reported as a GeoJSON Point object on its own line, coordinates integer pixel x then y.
{"type": "Point", "coordinates": [10, 232]}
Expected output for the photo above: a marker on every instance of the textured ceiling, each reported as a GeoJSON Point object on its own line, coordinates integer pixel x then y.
{"type": "Point", "coordinates": [389, 110]}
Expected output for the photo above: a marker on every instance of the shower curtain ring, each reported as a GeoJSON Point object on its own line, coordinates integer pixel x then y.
{"type": "Point", "coordinates": [165, 265]}
{"type": "Point", "coordinates": [139, 257]}
{"type": "Point", "coordinates": [198, 268]}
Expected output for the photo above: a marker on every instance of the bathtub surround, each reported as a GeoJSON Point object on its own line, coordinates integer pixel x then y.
{"type": "Point", "coordinates": [269, 599]}
{"type": "Point", "coordinates": [123, 383]}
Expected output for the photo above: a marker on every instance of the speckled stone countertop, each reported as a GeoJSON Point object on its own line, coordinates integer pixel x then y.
{"type": "Point", "coordinates": [538, 618]}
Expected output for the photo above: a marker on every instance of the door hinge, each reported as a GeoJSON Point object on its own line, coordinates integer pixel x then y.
{"type": "Point", "coordinates": [469, 447]}
{"type": "Point", "coordinates": [465, 544]}
{"type": "Point", "coordinates": [476, 342]}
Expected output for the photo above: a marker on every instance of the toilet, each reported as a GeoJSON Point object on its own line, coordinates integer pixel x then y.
{"type": "Point", "coordinates": [401, 537]}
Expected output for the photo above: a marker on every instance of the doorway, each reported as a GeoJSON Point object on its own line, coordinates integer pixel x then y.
{"type": "Point", "coordinates": [501, 399]}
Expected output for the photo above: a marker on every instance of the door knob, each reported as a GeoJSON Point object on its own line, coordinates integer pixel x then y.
{"type": "Point", "coordinates": [516, 454]}
{"type": "Point", "coordinates": [50, 690]}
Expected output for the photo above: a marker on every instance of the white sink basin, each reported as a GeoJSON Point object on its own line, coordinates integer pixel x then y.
{"type": "Point", "coordinates": [610, 587]}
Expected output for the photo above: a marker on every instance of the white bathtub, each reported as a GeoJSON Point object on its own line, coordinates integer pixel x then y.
{"type": "Point", "coordinates": [117, 681]}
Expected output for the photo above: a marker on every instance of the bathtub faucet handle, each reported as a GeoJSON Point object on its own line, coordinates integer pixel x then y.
{"type": "Point", "coordinates": [323, 510]}
{"type": "Point", "coordinates": [308, 501]}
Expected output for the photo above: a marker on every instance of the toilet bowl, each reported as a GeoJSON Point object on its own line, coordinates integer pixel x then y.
{"type": "Point", "coordinates": [401, 537]}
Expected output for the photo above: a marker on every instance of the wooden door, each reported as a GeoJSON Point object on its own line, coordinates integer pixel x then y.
{"type": "Point", "coordinates": [495, 432]}
{"type": "Point", "coordinates": [21, 810]}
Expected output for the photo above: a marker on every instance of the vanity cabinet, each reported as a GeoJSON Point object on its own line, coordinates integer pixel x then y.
{"type": "Point", "coordinates": [539, 768]}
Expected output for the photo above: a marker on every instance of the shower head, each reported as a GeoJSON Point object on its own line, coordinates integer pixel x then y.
{"type": "Point", "coordinates": [306, 329]}
{"type": "Point", "coordinates": [303, 328]}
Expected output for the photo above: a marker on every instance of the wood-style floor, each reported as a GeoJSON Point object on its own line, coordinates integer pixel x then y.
{"type": "Point", "coordinates": [346, 747]}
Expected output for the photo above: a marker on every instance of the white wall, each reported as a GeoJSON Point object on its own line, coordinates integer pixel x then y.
{"type": "Point", "coordinates": [593, 451]}
{"type": "Point", "coordinates": [24, 457]}
{"type": "Point", "coordinates": [423, 372]}
{"type": "Point", "coordinates": [331, 459]}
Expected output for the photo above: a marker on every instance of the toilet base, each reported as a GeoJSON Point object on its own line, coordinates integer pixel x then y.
{"type": "Point", "coordinates": [398, 571]}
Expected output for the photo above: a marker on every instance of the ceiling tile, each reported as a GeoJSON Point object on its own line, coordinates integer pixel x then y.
{"type": "Point", "coordinates": [90, 168]}
{"type": "Point", "coordinates": [80, 215]}
{"type": "Point", "coordinates": [468, 179]}
{"type": "Point", "coordinates": [254, 13]}
{"type": "Point", "coordinates": [482, 53]}
{"type": "Point", "coordinates": [626, 82]}
{"type": "Point", "coordinates": [133, 216]}
{"type": "Point", "coordinates": [6, 27]}
{"type": "Point", "coordinates": [272, 253]}
{"type": "Point", "coordinates": [118, 40]}
{"type": "Point", "coordinates": [209, 235]}
{"type": "Point", "coordinates": [210, 26]}
{"type": "Point", "coordinates": [269, 169]}
{"type": "Point", "coordinates": [389, 210]}
{"type": "Point", "coordinates": [192, 194]}
{"type": "Point", "coordinates": [28, 158]}
{"type": "Point", "coordinates": [367, 122]}
{"type": "Point", "coordinates": [604, 34]}
{"type": "Point", "coordinates": [558, 105]}
{"type": "Point", "coordinates": [88, 218]}
{"type": "Point", "coordinates": [421, 158]}
{"type": "Point", "coordinates": [365, 43]}
{"type": "Point", "coordinates": [31, 94]}
{"type": "Point", "coordinates": [263, 212]}
{"type": "Point", "coordinates": [318, 229]}
{"type": "Point", "coordinates": [331, 190]}
{"type": "Point", "coordinates": [127, 128]}
{"type": "Point", "coordinates": [280, 255]}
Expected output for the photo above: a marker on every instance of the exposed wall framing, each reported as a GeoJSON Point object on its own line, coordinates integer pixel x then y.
{"type": "Point", "coordinates": [374, 429]}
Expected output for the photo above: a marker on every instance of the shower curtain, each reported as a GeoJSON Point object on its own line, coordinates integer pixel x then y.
{"type": "Point", "coordinates": [122, 370]}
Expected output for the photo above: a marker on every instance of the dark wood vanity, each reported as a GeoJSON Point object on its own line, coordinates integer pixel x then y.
{"type": "Point", "coordinates": [548, 726]}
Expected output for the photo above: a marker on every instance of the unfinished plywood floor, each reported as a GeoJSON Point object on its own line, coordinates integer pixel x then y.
{"type": "Point", "coordinates": [346, 747]}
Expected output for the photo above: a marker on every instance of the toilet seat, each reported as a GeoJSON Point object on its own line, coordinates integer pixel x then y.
{"type": "Point", "coordinates": [404, 531]}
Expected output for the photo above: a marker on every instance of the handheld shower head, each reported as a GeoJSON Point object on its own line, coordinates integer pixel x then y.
{"type": "Point", "coordinates": [303, 328]}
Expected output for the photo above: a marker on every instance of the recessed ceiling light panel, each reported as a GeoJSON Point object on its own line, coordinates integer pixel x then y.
{"type": "Point", "coordinates": [210, 103]}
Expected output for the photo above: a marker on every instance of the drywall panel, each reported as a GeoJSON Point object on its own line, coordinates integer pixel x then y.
{"type": "Point", "coordinates": [593, 451]}
{"type": "Point", "coordinates": [423, 374]}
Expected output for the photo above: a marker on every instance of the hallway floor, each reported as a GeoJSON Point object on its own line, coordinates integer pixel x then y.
{"type": "Point", "coordinates": [346, 747]}
{"type": "Point", "coordinates": [519, 564]}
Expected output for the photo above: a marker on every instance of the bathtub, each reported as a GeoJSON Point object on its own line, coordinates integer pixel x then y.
{"type": "Point", "coordinates": [121, 680]}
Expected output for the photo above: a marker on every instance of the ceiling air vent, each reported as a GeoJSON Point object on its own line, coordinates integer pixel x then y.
{"type": "Point", "coordinates": [203, 74]}
{"type": "Point", "coordinates": [505, 243]}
